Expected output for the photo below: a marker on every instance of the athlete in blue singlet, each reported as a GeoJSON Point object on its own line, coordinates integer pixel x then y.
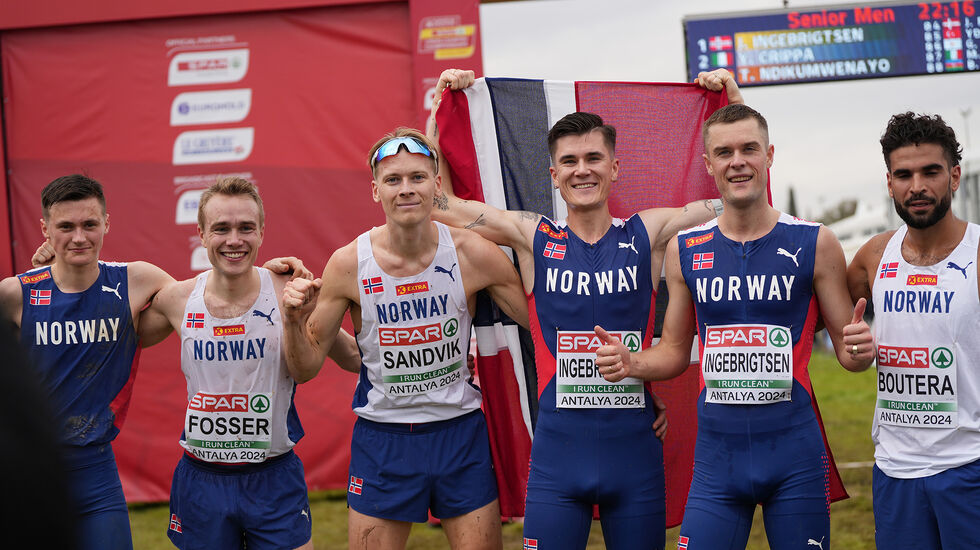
{"type": "Point", "coordinates": [753, 283]}
{"type": "Point", "coordinates": [77, 320]}
{"type": "Point", "coordinates": [587, 269]}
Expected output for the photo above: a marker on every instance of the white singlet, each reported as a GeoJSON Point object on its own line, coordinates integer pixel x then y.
{"type": "Point", "coordinates": [415, 332]}
{"type": "Point", "coordinates": [927, 328]}
{"type": "Point", "coordinates": [240, 395]}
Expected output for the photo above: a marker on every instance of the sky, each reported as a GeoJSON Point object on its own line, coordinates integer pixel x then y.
{"type": "Point", "coordinates": [825, 134]}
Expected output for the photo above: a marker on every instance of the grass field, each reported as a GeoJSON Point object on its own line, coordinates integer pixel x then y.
{"type": "Point", "coordinates": [846, 402]}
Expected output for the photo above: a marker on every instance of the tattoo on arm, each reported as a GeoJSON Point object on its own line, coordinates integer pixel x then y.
{"type": "Point", "coordinates": [525, 215]}
{"type": "Point", "coordinates": [476, 223]}
{"type": "Point", "coordinates": [441, 202]}
{"type": "Point", "coordinates": [708, 205]}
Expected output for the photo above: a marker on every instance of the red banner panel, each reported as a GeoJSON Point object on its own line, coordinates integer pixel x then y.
{"type": "Point", "coordinates": [155, 110]}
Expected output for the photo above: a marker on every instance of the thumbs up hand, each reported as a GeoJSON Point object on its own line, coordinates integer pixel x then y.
{"type": "Point", "coordinates": [612, 358]}
{"type": "Point", "coordinates": [856, 337]}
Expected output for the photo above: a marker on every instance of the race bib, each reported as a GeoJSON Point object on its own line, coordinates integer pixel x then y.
{"type": "Point", "coordinates": [916, 387]}
{"type": "Point", "coordinates": [420, 359]}
{"type": "Point", "coordinates": [579, 384]}
{"type": "Point", "coordinates": [230, 427]}
{"type": "Point", "coordinates": [747, 364]}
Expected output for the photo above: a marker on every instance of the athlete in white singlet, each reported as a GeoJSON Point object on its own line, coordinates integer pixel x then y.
{"type": "Point", "coordinates": [240, 424]}
{"type": "Point", "coordinates": [923, 279]}
{"type": "Point", "coordinates": [420, 443]}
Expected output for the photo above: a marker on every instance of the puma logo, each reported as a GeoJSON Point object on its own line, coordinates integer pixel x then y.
{"type": "Point", "coordinates": [815, 543]}
{"type": "Point", "coordinates": [303, 512]}
{"type": "Point", "coordinates": [948, 264]}
{"type": "Point", "coordinates": [440, 269]}
{"type": "Point", "coordinates": [111, 290]}
{"type": "Point", "coordinates": [257, 313]}
{"type": "Point", "coordinates": [784, 252]}
{"type": "Point", "coordinates": [630, 245]}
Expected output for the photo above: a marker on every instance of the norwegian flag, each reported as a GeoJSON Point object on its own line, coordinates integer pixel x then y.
{"type": "Point", "coordinates": [175, 523]}
{"type": "Point", "coordinates": [530, 544]}
{"type": "Point", "coordinates": [356, 484]}
{"type": "Point", "coordinates": [40, 297]}
{"type": "Point", "coordinates": [718, 43]}
{"type": "Point", "coordinates": [554, 250]}
{"type": "Point", "coordinates": [888, 271]}
{"type": "Point", "coordinates": [682, 543]}
{"type": "Point", "coordinates": [373, 285]}
{"type": "Point", "coordinates": [195, 320]}
{"type": "Point", "coordinates": [705, 260]}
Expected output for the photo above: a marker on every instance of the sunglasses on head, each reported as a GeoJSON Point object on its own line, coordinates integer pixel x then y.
{"type": "Point", "coordinates": [393, 145]}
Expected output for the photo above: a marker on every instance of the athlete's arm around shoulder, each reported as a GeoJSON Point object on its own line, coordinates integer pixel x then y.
{"type": "Point", "coordinates": [663, 223]}
{"type": "Point", "coordinates": [864, 264]}
{"type": "Point", "coordinates": [344, 351]}
{"type": "Point", "coordinates": [11, 299]}
{"type": "Point", "coordinates": [313, 311]}
{"type": "Point", "coordinates": [671, 356]}
{"type": "Point", "coordinates": [144, 280]}
{"type": "Point", "coordinates": [164, 313]}
{"type": "Point", "coordinates": [483, 265]}
{"type": "Point", "coordinates": [842, 318]}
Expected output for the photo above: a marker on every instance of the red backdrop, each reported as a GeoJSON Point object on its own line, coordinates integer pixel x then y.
{"type": "Point", "coordinates": [156, 109]}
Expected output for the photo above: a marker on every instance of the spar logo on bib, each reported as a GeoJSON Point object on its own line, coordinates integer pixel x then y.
{"type": "Point", "coordinates": [942, 358]}
{"type": "Point", "coordinates": [409, 336]}
{"type": "Point", "coordinates": [229, 402]}
{"type": "Point", "coordinates": [903, 357]}
{"type": "Point", "coordinates": [748, 335]}
{"type": "Point", "coordinates": [588, 342]}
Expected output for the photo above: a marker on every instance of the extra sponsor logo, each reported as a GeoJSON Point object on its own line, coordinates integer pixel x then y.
{"type": "Point", "coordinates": [40, 297]}
{"type": "Point", "coordinates": [209, 67]}
{"type": "Point", "coordinates": [547, 230]}
{"type": "Point", "coordinates": [412, 288]}
{"type": "Point", "coordinates": [406, 336]}
{"type": "Point", "coordinates": [31, 279]}
{"type": "Point", "coordinates": [700, 239]}
{"type": "Point", "coordinates": [217, 107]}
{"type": "Point", "coordinates": [915, 280]}
{"type": "Point", "coordinates": [229, 330]}
{"type": "Point", "coordinates": [211, 146]}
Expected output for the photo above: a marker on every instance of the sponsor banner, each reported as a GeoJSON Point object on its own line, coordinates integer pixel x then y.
{"type": "Point", "coordinates": [216, 107]}
{"type": "Point", "coordinates": [212, 146]}
{"type": "Point", "coordinates": [208, 67]}
{"type": "Point", "coordinates": [578, 382]}
{"type": "Point", "coordinates": [747, 364]}
{"type": "Point", "coordinates": [446, 35]}
{"type": "Point", "coordinates": [187, 204]}
{"type": "Point", "coordinates": [916, 387]}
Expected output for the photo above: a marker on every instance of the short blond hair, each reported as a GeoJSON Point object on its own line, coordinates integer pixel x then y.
{"type": "Point", "coordinates": [399, 133]}
{"type": "Point", "coordinates": [231, 186]}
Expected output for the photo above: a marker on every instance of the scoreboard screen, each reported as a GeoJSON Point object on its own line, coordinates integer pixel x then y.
{"type": "Point", "coordinates": [836, 43]}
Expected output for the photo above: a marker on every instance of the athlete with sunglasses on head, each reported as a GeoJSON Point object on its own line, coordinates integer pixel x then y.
{"type": "Point", "coordinates": [420, 442]}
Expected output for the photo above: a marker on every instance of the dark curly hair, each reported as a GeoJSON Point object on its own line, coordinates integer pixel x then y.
{"type": "Point", "coordinates": [912, 129]}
